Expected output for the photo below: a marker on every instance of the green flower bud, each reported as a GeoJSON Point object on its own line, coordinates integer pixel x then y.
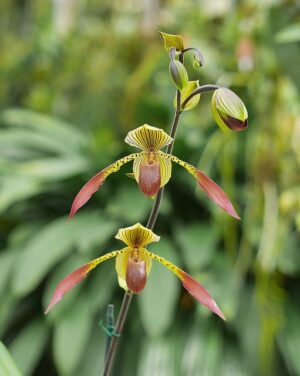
{"type": "Point", "coordinates": [178, 74]}
{"type": "Point", "coordinates": [198, 61]}
{"type": "Point", "coordinates": [191, 86]}
{"type": "Point", "coordinates": [229, 110]}
{"type": "Point", "coordinates": [170, 40]}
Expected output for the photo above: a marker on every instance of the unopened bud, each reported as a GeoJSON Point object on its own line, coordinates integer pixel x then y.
{"type": "Point", "coordinates": [179, 74]}
{"type": "Point", "coordinates": [229, 110]}
{"type": "Point", "coordinates": [198, 61]}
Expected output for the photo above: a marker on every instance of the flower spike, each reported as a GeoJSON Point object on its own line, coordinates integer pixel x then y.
{"type": "Point", "coordinates": [133, 265]}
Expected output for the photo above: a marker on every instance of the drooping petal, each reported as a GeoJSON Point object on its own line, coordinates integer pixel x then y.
{"type": "Point", "coordinates": [200, 293]}
{"type": "Point", "coordinates": [149, 178]}
{"type": "Point", "coordinates": [95, 183]}
{"type": "Point", "coordinates": [165, 170]}
{"type": "Point", "coordinates": [77, 276]}
{"type": "Point", "coordinates": [191, 285]}
{"type": "Point", "coordinates": [148, 138]}
{"type": "Point", "coordinates": [213, 191]}
{"type": "Point", "coordinates": [137, 236]}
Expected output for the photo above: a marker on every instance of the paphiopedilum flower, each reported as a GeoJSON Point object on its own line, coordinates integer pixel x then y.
{"type": "Point", "coordinates": [133, 265]}
{"type": "Point", "coordinates": [152, 170]}
{"type": "Point", "coordinates": [229, 110]}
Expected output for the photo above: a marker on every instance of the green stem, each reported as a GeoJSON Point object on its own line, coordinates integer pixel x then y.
{"type": "Point", "coordinates": [151, 223]}
{"type": "Point", "coordinates": [118, 329]}
{"type": "Point", "coordinates": [199, 90]}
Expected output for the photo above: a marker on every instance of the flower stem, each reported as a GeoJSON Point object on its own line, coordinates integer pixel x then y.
{"type": "Point", "coordinates": [118, 329]}
{"type": "Point", "coordinates": [110, 356]}
{"type": "Point", "coordinates": [150, 224]}
{"type": "Point", "coordinates": [155, 208]}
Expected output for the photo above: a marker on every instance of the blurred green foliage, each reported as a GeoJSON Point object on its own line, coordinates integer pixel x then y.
{"type": "Point", "coordinates": [74, 78]}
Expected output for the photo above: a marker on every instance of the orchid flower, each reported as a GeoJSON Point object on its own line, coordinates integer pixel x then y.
{"type": "Point", "coordinates": [133, 265]}
{"type": "Point", "coordinates": [152, 170]}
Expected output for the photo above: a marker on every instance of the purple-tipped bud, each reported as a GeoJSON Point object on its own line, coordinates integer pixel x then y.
{"type": "Point", "coordinates": [229, 110]}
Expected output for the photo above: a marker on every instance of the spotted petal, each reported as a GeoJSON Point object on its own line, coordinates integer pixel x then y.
{"type": "Point", "coordinates": [137, 236]}
{"type": "Point", "coordinates": [148, 138]}
{"type": "Point", "coordinates": [191, 285]}
{"type": "Point", "coordinates": [95, 183]}
{"type": "Point", "coordinates": [77, 276]}
{"type": "Point", "coordinates": [213, 191]}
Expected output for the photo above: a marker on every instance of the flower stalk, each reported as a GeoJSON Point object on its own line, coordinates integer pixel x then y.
{"type": "Point", "coordinates": [152, 170]}
{"type": "Point", "coordinates": [111, 352]}
{"type": "Point", "coordinates": [151, 222]}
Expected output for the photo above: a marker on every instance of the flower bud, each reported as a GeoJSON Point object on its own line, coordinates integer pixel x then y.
{"type": "Point", "coordinates": [198, 61]}
{"type": "Point", "coordinates": [229, 110]}
{"type": "Point", "coordinates": [191, 86]}
{"type": "Point", "coordinates": [178, 74]}
{"type": "Point", "coordinates": [170, 40]}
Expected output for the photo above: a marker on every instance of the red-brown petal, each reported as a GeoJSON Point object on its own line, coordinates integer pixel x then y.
{"type": "Point", "coordinates": [86, 192]}
{"type": "Point", "coordinates": [200, 293]}
{"type": "Point", "coordinates": [136, 275]}
{"type": "Point", "coordinates": [149, 178]}
{"type": "Point", "coordinates": [67, 284]}
{"type": "Point", "coordinates": [215, 193]}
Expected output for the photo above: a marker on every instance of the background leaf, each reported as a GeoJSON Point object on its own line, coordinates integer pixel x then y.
{"type": "Point", "coordinates": [160, 294]}
{"type": "Point", "coordinates": [7, 364]}
{"type": "Point", "coordinates": [36, 333]}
